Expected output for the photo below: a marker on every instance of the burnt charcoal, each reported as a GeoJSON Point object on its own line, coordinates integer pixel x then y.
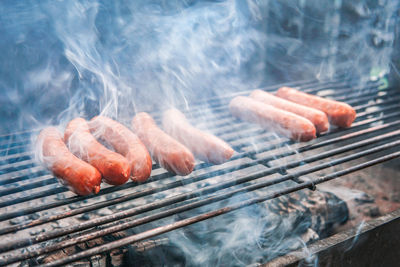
{"type": "Point", "coordinates": [98, 261]}
{"type": "Point", "coordinates": [30, 262]}
{"type": "Point", "coordinates": [371, 211]}
{"type": "Point", "coordinates": [158, 256]}
{"type": "Point", "coordinates": [395, 198]}
{"type": "Point", "coordinates": [365, 198]}
{"type": "Point", "coordinates": [276, 227]}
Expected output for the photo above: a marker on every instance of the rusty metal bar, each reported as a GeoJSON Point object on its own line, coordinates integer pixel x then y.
{"type": "Point", "coordinates": [134, 211]}
{"type": "Point", "coordinates": [200, 192]}
{"type": "Point", "coordinates": [179, 224]}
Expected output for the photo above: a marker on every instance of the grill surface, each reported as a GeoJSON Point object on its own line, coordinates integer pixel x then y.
{"type": "Point", "coordinates": [31, 198]}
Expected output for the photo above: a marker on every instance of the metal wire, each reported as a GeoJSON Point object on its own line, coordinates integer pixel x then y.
{"type": "Point", "coordinates": [200, 203]}
{"type": "Point", "coordinates": [179, 224]}
{"type": "Point", "coordinates": [20, 158]}
{"type": "Point", "coordinates": [130, 212]}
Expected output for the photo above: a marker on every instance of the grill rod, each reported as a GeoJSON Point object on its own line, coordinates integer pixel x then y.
{"type": "Point", "coordinates": [179, 224]}
{"type": "Point", "coordinates": [162, 214]}
{"type": "Point", "coordinates": [107, 190]}
{"type": "Point", "coordinates": [356, 99]}
{"type": "Point", "coordinates": [52, 181]}
{"type": "Point", "coordinates": [123, 214]}
{"type": "Point", "coordinates": [192, 112]}
{"type": "Point", "coordinates": [381, 117]}
{"type": "Point", "coordinates": [99, 205]}
{"type": "Point", "coordinates": [317, 87]}
{"type": "Point", "coordinates": [224, 108]}
{"type": "Point", "coordinates": [230, 127]}
{"type": "Point", "coordinates": [131, 196]}
{"type": "Point", "coordinates": [7, 138]}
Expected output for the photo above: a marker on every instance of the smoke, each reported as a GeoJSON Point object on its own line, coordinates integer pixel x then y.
{"type": "Point", "coordinates": [63, 59]}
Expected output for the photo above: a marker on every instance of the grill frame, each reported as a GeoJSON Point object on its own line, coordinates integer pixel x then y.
{"type": "Point", "coordinates": [373, 91]}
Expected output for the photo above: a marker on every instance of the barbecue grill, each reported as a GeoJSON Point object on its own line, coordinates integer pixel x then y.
{"type": "Point", "coordinates": [37, 212]}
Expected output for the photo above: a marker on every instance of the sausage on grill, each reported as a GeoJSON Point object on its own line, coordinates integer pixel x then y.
{"type": "Point", "coordinates": [271, 118]}
{"type": "Point", "coordinates": [82, 178]}
{"type": "Point", "coordinates": [113, 166]}
{"type": "Point", "coordinates": [205, 146]}
{"type": "Point", "coordinates": [339, 113]}
{"type": "Point", "coordinates": [317, 117]}
{"type": "Point", "coordinates": [169, 153]}
{"type": "Point", "coordinates": [125, 142]}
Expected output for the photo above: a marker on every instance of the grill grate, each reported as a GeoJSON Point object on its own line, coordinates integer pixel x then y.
{"type": "Point", "coordinates": [31, 198]}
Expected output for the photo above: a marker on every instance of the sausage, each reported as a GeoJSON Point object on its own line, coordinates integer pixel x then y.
{"type": "Point", "coordinates": [205, 146]}
{"type": "Point", "coordinates": [169, 153]}
{"type": "Point", "coordinates": [339, 113]}
{"type": "Point", "coordinates": [271, 118]}
{"type": "Point", "coordinates": [317, 117]}
{"type": "Point", "coordinates": [82, 178]}
{"type": "Point", "coordinates": [114, 167]}
{"type": "Point", "coordinates": [125, 142]}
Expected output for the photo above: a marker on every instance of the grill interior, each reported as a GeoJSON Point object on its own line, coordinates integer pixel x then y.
{"type": "Point", "coordinates": [37, 213]}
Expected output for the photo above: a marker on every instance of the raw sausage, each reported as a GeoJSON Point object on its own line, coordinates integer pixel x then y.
{"type": "Point", "coordinates": [125, 142]}
{"type": "Point", "coordinates": [82, 178]}
{"type": "Point", "coordinates": [113, 166]}
{"type": "Point", "coordinates": [317, 117]}
{"type": "Point", "coordinates": [339, 113]}
{"type": "Point", "coordinates": [205, 146]}
{"type": "Point", "coordinates": [271, 118]}
{"type": "Point", "coordinates": [169, 153]}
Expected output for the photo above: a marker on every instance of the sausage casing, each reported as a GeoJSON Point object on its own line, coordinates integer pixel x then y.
{"type": "Point", "coordinates": [339, 113]}
{"type": "Point", "coordinates": [317, 117]}
{"type": "Point", "coordinates": [271, 118]}
{"type": "Point", "coordinates": [113, 166]}
{"type": "Point", "coordinates": [205, 146]}
{"type": "Point", "coordinates": [125, 142]}
{"type": "Point", "coordinates": [169, 153]}
{"type": "Point", "coordinates": [82, 178]}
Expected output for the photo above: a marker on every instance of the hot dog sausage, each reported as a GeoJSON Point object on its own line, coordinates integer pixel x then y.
{"type": "Point", "coordinates": [271, 118]}
{"type": "Point", "coordinates": [205, 146]}
{"type": "Point", "coordinates": [169, 153]}
{"type": "Point", "coordinates": [114, 167]}
{"type": "Point", "coordinates": [125, 142]}
{"type": "Point", "coordinates": [82, 178]}
{"type": "Point", "coordinates": [339, 113]}
{"type": "Point", "coordinates": [317, 117]}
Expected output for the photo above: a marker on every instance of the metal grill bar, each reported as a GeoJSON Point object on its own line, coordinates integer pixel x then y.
{"type": "Point", "coordinates": [132, 196]}
{"type": "Point", "coordinates": [47, 182]}
{"type": "Point", "coordinates": [131, 212]}
{"type": "Point", "coordinates": [16, 159]}
{"type": "Point", "coordinates": [205, 216]}
{"type": "Point", "coordinates": [224, 113]}
{"type": "Point", "coordinates": [201, 192]}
